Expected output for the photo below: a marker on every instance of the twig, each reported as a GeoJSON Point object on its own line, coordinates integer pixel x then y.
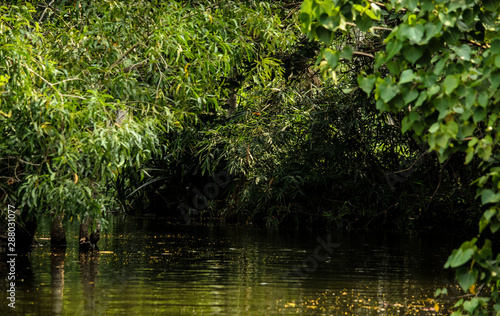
{"type": "Point", "coordinates": [363, 54]}
{"type": "Point", "coordinates": [123, 56]}
{"type": "Point", "coordinates": [23, 161]}
{"type": "Point", "coordinates": [43, 14]}
{"type": "Point", "coordinates": [439, 182]}
{"type": "Point", "coordinates": [292, 12]}
{"type": "Point", "coordinates": [73, 96]}
{"type": "Point", "coordinates": [45, 80]}
{"type": "Point", "coordinates": [381, 28]}
{"type": "Point", "coordinates": [411, 166]}
{"type": "Point", "coordinates": [382, 212]}
{"type": "Point", "coordinates": [135, 66]}
{"type": "Point", "coordinates": [70, 79]}
{"type": "Point", "coordinates": [483, 46]}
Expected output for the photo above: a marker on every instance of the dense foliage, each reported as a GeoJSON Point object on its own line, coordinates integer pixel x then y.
{"type": "Point", "coordinates": [61, 143]}
{"type": "Point", "coordinates": [436, 63]}
{"type": "Point", "coordinates": [299, 149]}
{"type": "Point", "coordinates": [129, 106]}
{"type": "Point", "coordinates": [123, 105]}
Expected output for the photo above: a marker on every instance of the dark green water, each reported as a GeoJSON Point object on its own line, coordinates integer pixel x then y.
{"type": "Point", "coordinates": [154, 267]}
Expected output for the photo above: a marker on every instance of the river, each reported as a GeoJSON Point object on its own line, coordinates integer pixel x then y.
{"type": "Point", "coordinates": [157, 267]}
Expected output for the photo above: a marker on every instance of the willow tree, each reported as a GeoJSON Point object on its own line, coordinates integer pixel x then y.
{"type": "Point", "coordinates": [60, 145]}
{"type": "Point", "coordinates": [70, 70]}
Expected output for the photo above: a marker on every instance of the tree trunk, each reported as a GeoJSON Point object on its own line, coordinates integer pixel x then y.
{"type": "Point", "coordinates": [57, 232]}
{"type": "Point", "coordinates": [24, 231]}
{"type": "Point", "coordinates": [87, 238]}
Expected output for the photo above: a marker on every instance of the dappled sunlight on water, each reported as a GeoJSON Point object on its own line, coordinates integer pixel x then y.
{"type": "Point", "coordinates": [154, 267]}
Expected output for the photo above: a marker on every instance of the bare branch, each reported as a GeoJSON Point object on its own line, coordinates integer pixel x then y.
{"type": "Point", "coordinates": [363, 54]}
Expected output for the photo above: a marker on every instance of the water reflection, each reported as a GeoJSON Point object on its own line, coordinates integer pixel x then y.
{"type": "Point", "coordinates": [89, 267]}
{"type": "Point", "coordinates": [57, 257]}
{"type": "Point", "coordinates": [161, 268]}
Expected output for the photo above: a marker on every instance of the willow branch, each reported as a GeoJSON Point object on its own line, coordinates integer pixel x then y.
{"type": "Point", "coordinates": [123, 56]}
{"type": "Point", "coordinates": [44, 80]}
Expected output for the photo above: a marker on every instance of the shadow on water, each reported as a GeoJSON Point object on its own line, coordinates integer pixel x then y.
{"type": "Point", "coordinates": [156, 267]}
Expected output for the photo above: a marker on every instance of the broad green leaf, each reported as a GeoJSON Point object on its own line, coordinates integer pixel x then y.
{"type": "Point", "coordinates": [331, 57]}
{"type": "Point", "coordinates": [452, 129]}
{"type": "Point", "coordinates": [429, 80]}
{"type": "Point", "coordinates": [380, 59]}
{"type": "Point", "coordinates": [495, 77]}
{"type": "Point", "coordinates": [387, 91]}
{"type": "Point", "coordinates": [491, 5]}
{"type": "Point", "coordinates": [479, 114]}
{"type": "Point", "coordinates": [412, 53]}
{"type": "Point", "coordinates": [346, 53]}
{"type": "Point", "coordinates": [407, 76]}
{"type": "Point", "coordinates": [432, 29]}
{"type": "Point", "coordinates": [471, 305]}
{"type": "Point", "coordinates": [330, 22]}
{"type": "Point", "coordinates": [305, 18]}
{"type": "Point", "coordinates": [495, 225]}
{"type": "Point", "coordinates": [447, 19]}
{"type": "Point", "coordinates": [432, 91]}
{"type": "Point", "coordinates": [372, 15]}
{"type": "Point", "coordinates": [488, 196]}
{"type": "Point", "coordinates": [323, 34]}
{"type": "Point", "coordinates": [405, 124]}
{"type": "Point", "coordinates": [412, 4]}
{"type": "Point", "coordinates": [438, 69]}
{"type": "Point", "coordinates": [469, 156]}
{"type": "Point", "coordinates": [410, 96]}
{"type": "Point", "coordinates": [421, 98]}
{"type": "Point", "coordinates": [463, 52]}
{"type": "Point", "coordinates": [364, 23]}
{"type": "Point", "coordinates": [393, 47]}
{"type": "Point", "coordinates": [366, 83]}
{"type": "Point", "coordinates": [434, 128]}
{"type": "Point", "coordinates": [413, 33]}
{"type": "Point", "coordinates": [450, 83]}
{"type": "Point", "coordinates": [382, 106]}
{"type": "Point", "coordinates": [459, 257]}
{"type": "Point", "coordinates": [442, 140]}
{"type": "Point", "coordinates": [485, 253]}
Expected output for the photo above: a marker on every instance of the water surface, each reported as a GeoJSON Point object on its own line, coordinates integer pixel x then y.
{"type": "Point", "coordinates": [156, 267]}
